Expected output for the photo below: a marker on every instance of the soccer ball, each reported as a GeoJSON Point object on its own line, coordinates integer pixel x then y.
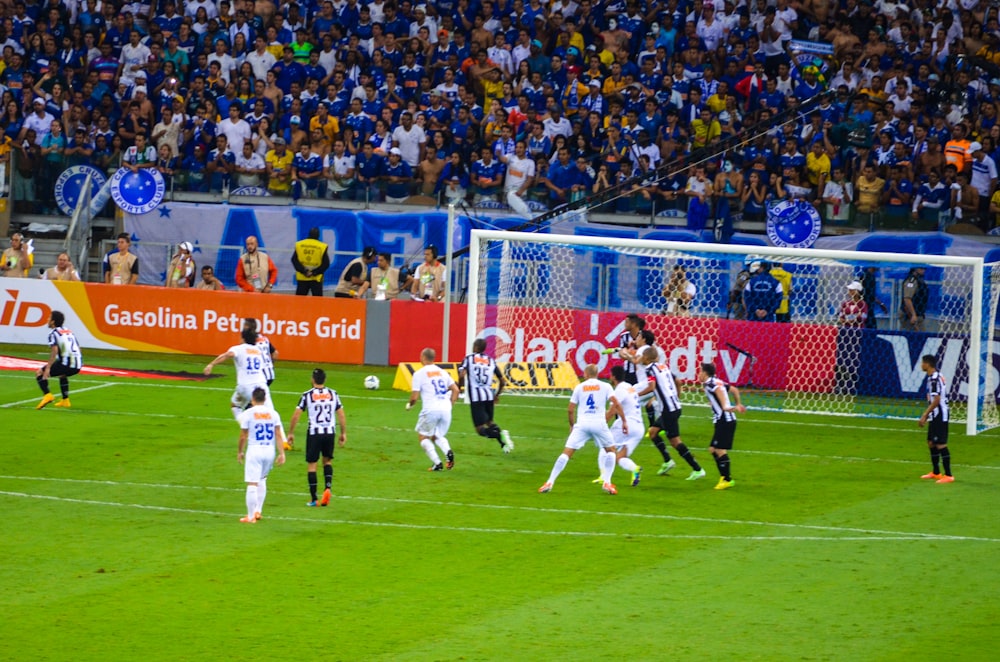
{"type": "Point", "coordinates": [371, 382]}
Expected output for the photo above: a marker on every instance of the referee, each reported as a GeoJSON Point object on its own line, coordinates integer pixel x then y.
{"type": "Point", "coordinates": [320, 404]}
{"type": "Point", "coordinates": [478, 369]}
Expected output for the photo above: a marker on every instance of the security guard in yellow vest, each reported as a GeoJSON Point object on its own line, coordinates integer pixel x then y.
{"type": "Point", "coordinates": [311, 261]}
{"type": "Point", "coordinates": [354, 280]}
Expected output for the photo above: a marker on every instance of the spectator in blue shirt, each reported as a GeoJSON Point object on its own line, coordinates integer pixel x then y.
{"type": "Point", "coordinates": [487, 177]}
{"type": "Point", "coordinates": [762, 294]}
{"type": "Point", "coordinates": [562, 177]}
{"type": "Point", "coordinates": [221, 162]}
{"type": "Point", "coordinates": [367, 170]}
{"type": "Point", "coordinates": [307, 173]}
{"type": "Point", "coordinates": [397, 176]}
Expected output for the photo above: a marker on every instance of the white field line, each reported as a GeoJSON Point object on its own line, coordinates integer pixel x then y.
{"type": "Point", "coordinates": [533, 509]}
{"type": "Point", "coordinates": [73, 392]}
{"type": "Point", "coordinates": [473, 529]}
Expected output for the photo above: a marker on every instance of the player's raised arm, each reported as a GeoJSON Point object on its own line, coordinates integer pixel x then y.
{"type": "Point", "coordinates": [217, 360]}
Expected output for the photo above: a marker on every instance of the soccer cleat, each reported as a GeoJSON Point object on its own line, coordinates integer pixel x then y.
{"type": "Point", "coordinates": [666, 467]}
{"type": "Point", "coordinates": [597, 481]}
{"type": "Point", "coordinates": [636, 475]}
{"type": "Point", "coordinates": [46, 399]}
{"type": "Point", "coordinates": [325, 499]}
{"type": "Point", "coordinates": [945, 479]}
{"type": "Point", "coordinates": [248, 520]}
{"type": "Point", "coordinates": [287, 446]}
{"type": "Point", "coordinates": [609, 488]}
{"type": "Point", "coordinates": [508, 443]}
{"type": "Point", "coordinates": [931, 476]}
{"type": "Point", "coordinates": [695, 475]}
{"type": "Point", "coordinates": [257, 517]}
{"type": "Point", "coordinates": [437, 467]}
{"type": "Point", "coordinates": [63, 403]}
{"type": "Point", "coordinates": [451, 460]}
{"type": "Point", "coordinates": [547, 487]}
{"type": "Point", "coordinates": [724, 484]}
{"type": "Point", "coordinates": [311, 504]}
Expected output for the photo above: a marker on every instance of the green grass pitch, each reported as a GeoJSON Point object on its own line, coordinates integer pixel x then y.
{"type": "Point", "coordinates": [122, 541]}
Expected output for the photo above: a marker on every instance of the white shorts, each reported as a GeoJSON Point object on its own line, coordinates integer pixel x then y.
{"type": "Point", "coordinates": [636, 431]}
{"type": "Point", "coordinates": [583, 432]}
{"type": "Point", "coordinates": [244, 392]}
{"type": "Point", "coordinates": [434, 423]}
{"type": "Point", "coordinates": [258, 463]}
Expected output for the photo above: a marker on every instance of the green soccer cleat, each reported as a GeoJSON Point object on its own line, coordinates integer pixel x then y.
{"type": "Point", "coordinates": [666, 467]}
{"type": "Point", "coordinates": [636, 475]}
{"type": "Point", "coordinates": [695, 475]}
{"type": "Point", "coordinates": [724, 484]}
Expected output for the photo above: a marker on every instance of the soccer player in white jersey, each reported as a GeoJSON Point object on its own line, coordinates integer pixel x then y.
{"type": "Point", "coordinates": [321, 404]}
{"type": "Point", "coordinates": [592, 401]}
{"type": "Point", "coordinates": [437, 392]}
{"type": "Point", "coordinates": [249, 364]}
{"type": "Point", "coordinates": [935, 417]}
{"type": "Point", "coordinates": [626, 442]}
{"type": "Point", "coordinates": [65, 360]}
{"type": "Point", "coordinates": [261, 435]}
{"type": "Point", "coordinates": [476, 373]}
{"type": "Point", "coordinates": [725, 402]}
{"type": "Point", "coordinates": [267, 350]}
{"type": "Point", "coordinates": [664, 386]}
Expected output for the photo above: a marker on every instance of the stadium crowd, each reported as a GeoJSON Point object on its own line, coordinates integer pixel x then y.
{"type": "Point", "coordinates": [516, 102]}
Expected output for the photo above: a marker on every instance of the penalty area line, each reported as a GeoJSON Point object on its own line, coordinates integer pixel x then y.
{"type": "Point", "coordinates": [489, 530]}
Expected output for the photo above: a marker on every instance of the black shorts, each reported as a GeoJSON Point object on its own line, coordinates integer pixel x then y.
{"type": "Point", "coordinates": [482, 412]}
{"type": "Point", "coordinates": [317, 444]}
{"type": "Point", "coordinates": [631, 378]}
{"type": "Point", "coordinates": [670, 422]}
{"type": "Point", "coordinates": [937, 431]}
{"type": "Point", "coordinates": [60, 370]}
{"type": "Point", "coordinates": [722, 437]}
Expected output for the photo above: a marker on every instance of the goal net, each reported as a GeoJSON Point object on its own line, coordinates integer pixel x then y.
{"type": "Point", "coordinates": [540, 297]}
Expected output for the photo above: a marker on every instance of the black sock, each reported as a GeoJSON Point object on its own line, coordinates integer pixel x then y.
{"type": "Point", "coordinates": [722, 462]}
{"type": "Point", "coordinates": [945, 460]}
{"type": "Point", "coordinates": [328, 475]}
{"type": "Point", "coordinates": [662, 447]}
{"type": "Point", "coordinates": [64, 387]}
{"type": "Point", "coordinates": [935, 454]}
{"type": "Point", "coordinates": [312, 484]}
{"type": "Point", "coordinates": [683, 451]}
{"type": "Point", "coordinates": [43, 384]}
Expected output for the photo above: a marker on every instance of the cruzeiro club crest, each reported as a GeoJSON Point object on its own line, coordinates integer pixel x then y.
{"type": "Point", "coordinates": [137, 192]}
{"type": "Point", "coordinates": [69, 188]}
{"type": "Point", "coordinates": [793, 224]}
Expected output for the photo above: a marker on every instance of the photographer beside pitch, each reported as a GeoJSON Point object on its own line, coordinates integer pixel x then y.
{"type": "Point", "coordinates": [320, 404]}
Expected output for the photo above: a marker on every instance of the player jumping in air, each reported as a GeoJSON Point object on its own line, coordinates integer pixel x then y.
{"type": "Point", "coordinates": [437, 392]}
{"type": "Point", "coordinates": [321, 404]}
{"type": "Point", "coordinates": [479, 369]}
{"type": "Point", "coordinates": [592, 401]}
{"type": "Point", "coordinates": [663, 383]}
{"type": "Point", "coordinates": [935, 417]}
{"type": "Point", "coordinates": [723, 416]}
{"type": "Point", "coordinates": [267, 351]}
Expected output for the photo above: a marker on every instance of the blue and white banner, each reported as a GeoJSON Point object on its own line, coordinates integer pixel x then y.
{"type": "Point", "coordinates": [816, 47]}
{"type": "Point", "coordinates": [68, 189]}
{"type": "Point", "coordinates": [137, 192]}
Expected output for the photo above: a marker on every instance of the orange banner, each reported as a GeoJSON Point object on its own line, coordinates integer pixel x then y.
{"type": "Point", "coordinates": [196, 322]}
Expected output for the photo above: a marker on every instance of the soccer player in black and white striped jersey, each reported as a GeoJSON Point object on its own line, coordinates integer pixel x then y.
{"type": "Point", "coordinates": [267, 351]}
{"type": "Point", "coordinates": [626, 344]}
{"type": "Point", "coordinates": [65, 360]}
{"type": "Point", "coordinates": [935, 417]}
{"type": "Point", "coordinates": [476, 373]}
{"type": "Point", "coordinates": [321, 404]}
{"type": "Point", "coordinates": [663, 384]}
{"type": "Point", "coordinates": [721, 397]}
{"type": "Point", "coordinates": [654, 408]}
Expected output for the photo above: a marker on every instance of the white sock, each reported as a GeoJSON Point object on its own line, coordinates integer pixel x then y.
{"type": "Point", "coordinates": [251, 500]}
{"type": "Point", "coordinates": [236, 411]}
{"type": "Point", "coordinates": [557, 468]}
{"type": "Point", "coordinates": [261, 493]}
{"type": "Point", "coordinates": [432, 453]}
{"type": "Point", "coordinates": [627, 464]}
{"type": "Point", "coordinates": [442, 443]}
{"type": "Point", "coordinates": [606, 461]}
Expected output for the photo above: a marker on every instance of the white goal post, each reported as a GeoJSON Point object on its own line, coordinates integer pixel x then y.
{"type": "Point", "coordinates": [549, 297]}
